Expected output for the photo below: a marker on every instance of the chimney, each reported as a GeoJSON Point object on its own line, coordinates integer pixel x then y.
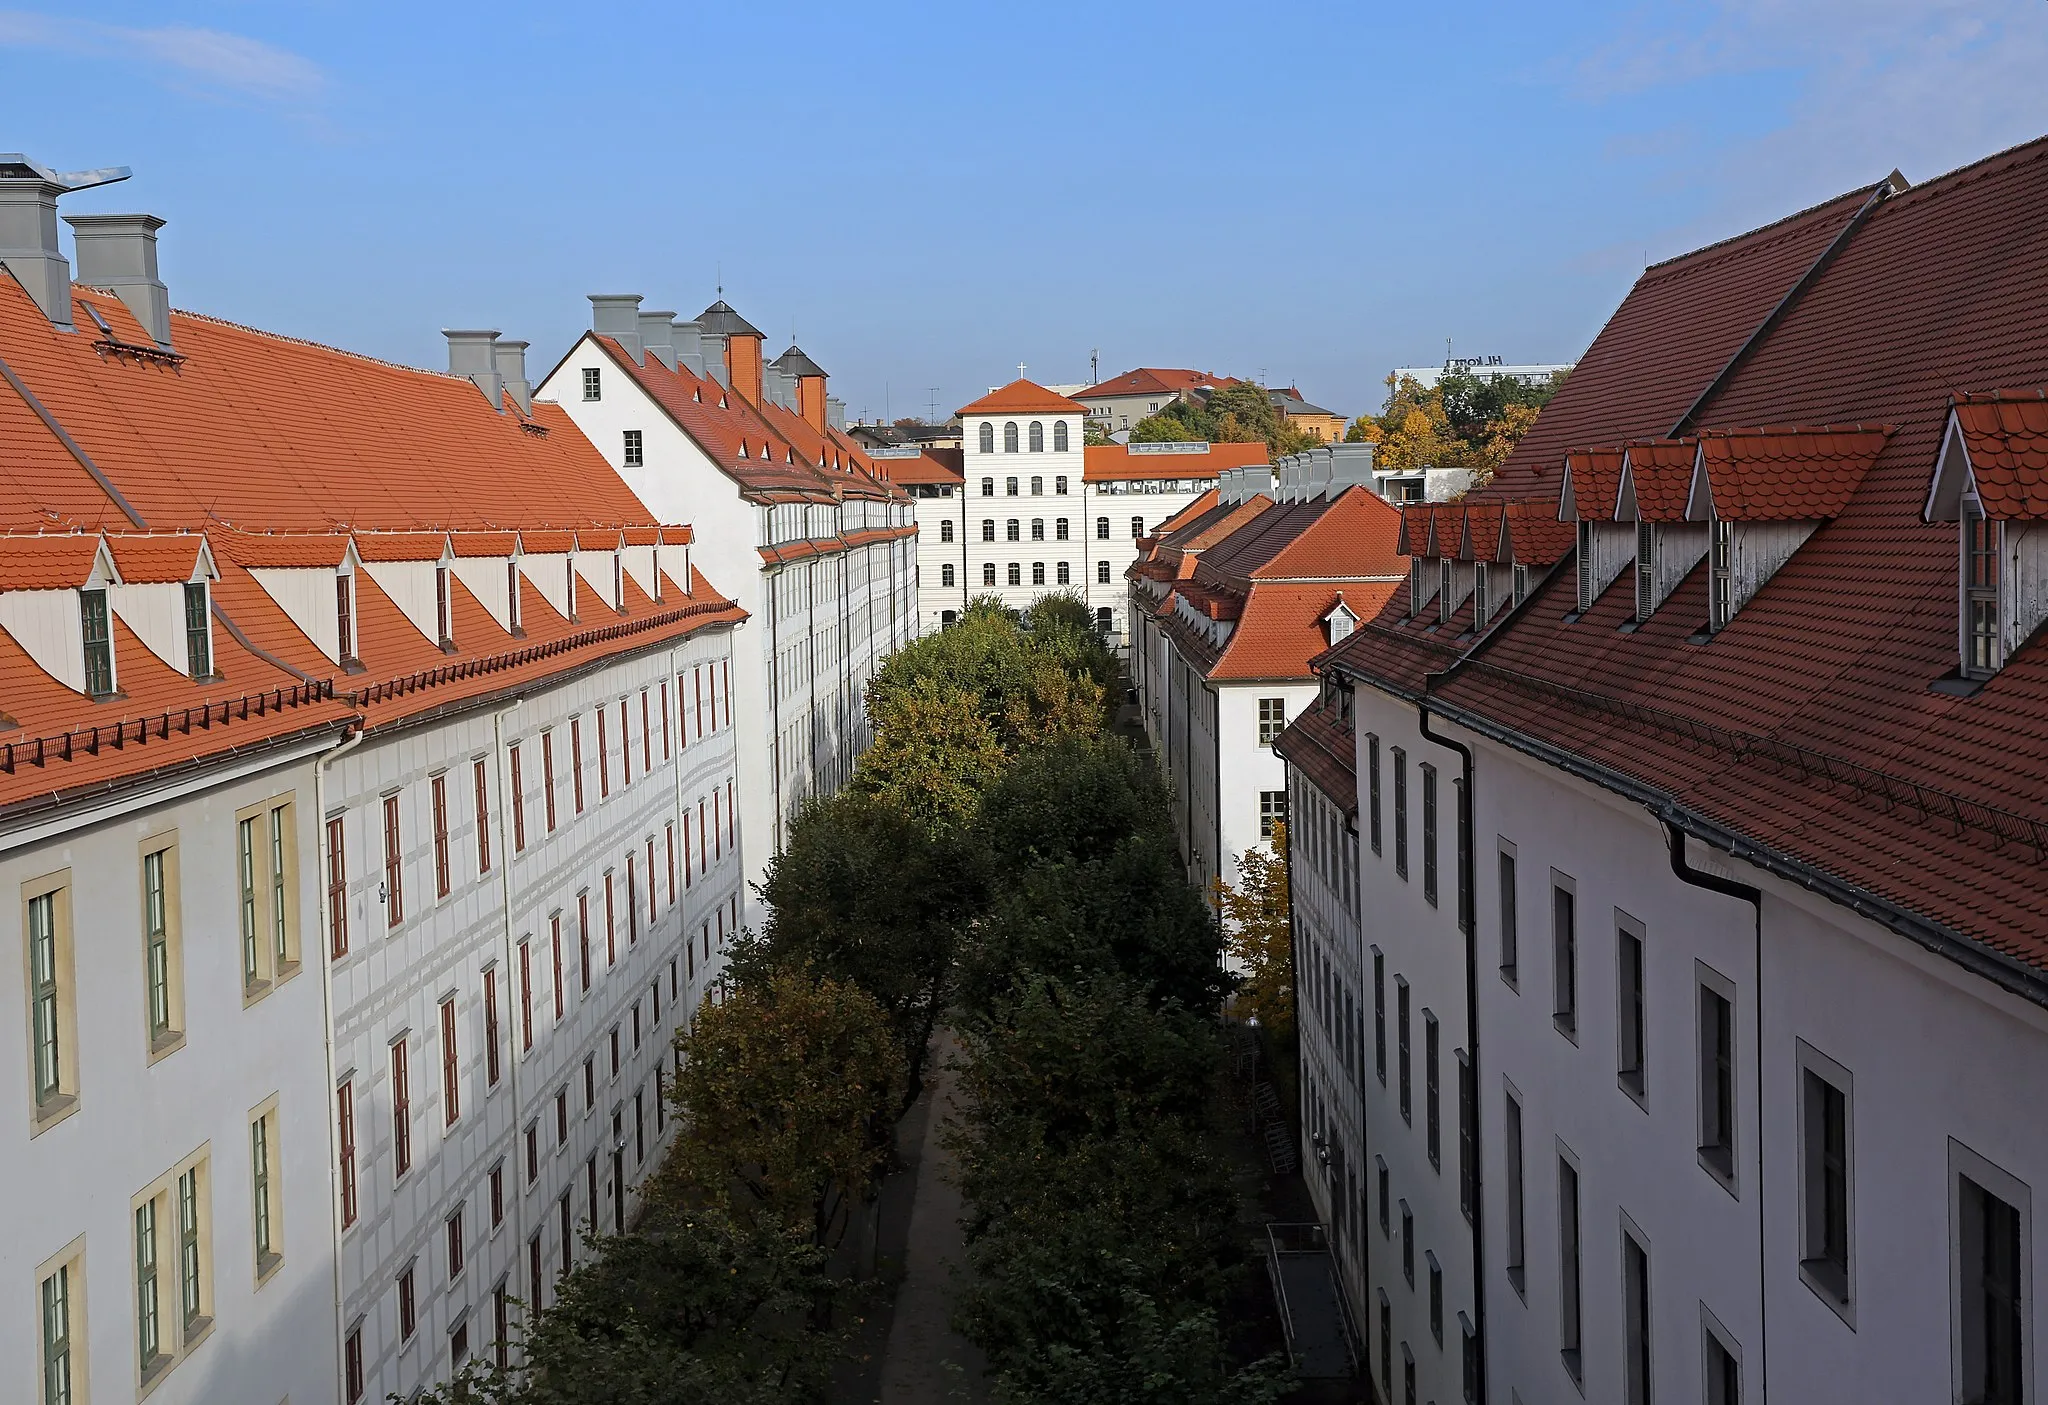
{"type": "Point", "coordinates": [774, 386]}
{"type": "Point", "coordinates": [509, 357]}
{"type": "Point", "coordinates": [808, 380]}
{"type": "Point", "coordinates": [1258, 482]}
{"type": "Point", "coordinates": [655, 335]}
{"type": "Point", "coordinates": [617, 315]}
{"type": "Point", "coordinates": [688, 340]}
{"type": "Point", "coordinates": [118, 253]}
{"type": "Point", "coordinates": [28, 228]}
{"type": "Point", "coordinates": [1350, 465]}
{"type": "Point", "coordinates": [740, 341]}
{"type": "Point", "coordinates": [470, 354]}
{"type": "Point", "coordinates": [835, 408]}
{"type": "Point", "coordinates": [714, 354]}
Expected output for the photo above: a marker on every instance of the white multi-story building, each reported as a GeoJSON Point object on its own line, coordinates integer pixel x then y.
{"type": "Point", "coordinates": [790, 516]}
{"type": "Point", "coordinates": [1736, 954]}
{"type": "Point", "coordinates": [364, 872]}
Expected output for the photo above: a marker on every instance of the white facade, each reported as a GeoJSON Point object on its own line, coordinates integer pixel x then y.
{"type": "Point", "coordinates": [1025, 514]}
{"type": "Point", "coordinates": [139, 1112]}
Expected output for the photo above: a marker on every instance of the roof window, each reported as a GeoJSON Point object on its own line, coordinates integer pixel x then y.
{"type": "Point", "coordinates": [198, 631]}
{"type": "Point", "coordinates": [97, 630]}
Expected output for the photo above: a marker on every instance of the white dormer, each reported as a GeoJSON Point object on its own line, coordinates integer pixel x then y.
{"type": "Point", "coordinates": [415, 569]}
{"type": "Point", "coordinates": [1984, 482]}
{"type": "Point", "coordinates": [59, 613]}
{"type": "Point", "coordinates": [1588, 500]}
{"type": "Point", "coordinates": [1339, 621]}
{"type": "Point", "coordinates": [596, 563]}
{"type": "Point", "coordinates": [313, 580]}
{"type": "Point", "coordinates": [488, 565]}
{"type": "Point", "coordinates": [165, 598]}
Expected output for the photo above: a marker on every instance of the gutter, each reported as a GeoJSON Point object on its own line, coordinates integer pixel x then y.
{"type": "Point", "coordinates": [324, 860]}
{"type": "Point", "coordinates": [508, 851]}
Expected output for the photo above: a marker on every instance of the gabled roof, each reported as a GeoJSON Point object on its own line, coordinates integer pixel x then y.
{"type": "Point", "coordinates": [1022, 397]}
{"type": "Point", "coordinates": [1656, 479]}
{"type": "Point", "coordinates": [2006, 435]}
{"type": "Point", "coordinates": [1591, 485]}
{"type": "Point", "coordinates": [928, 466]}
{"type": "Point", "coordinates": [1105, 463]}
{"type": "Point", "coordinates": [1783, 475]}
{"type": "Point", "coordinates": [1154, 380]}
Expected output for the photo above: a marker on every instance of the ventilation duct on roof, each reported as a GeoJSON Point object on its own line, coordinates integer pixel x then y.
{"type": "Point", "coordinates": [28, 228]}
{"type": "Point", "coordinates": [1350, 466]}
{"type": "Point", "coordinates": [688, 340]}
{"type": "Point", "coordinates": [469, 354]}
{"type": "Point", "coordinates": [835, 412]}
{"type": "Point", "coordinates": [617, 315]}
{"type": "Point", "coordinates": [656, 337]}
{"type": "Point", "coordinates": [509, 357]}
{"type": "Point", "coordinates": [118, 253]}
{"type": "Point", "coordinates": [713, 344]}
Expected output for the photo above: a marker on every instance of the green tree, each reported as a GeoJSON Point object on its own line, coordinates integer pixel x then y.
{"type": "Point", "coordinates": [1093, 435]}
{"type": "Point", "coordinates": [933, 755]}
{"type": "Point", "coordinates": [868, 894]}
{"type": "Point", "coordinates": [788, 1089]}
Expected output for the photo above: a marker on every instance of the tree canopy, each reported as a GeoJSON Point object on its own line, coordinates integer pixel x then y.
{"type": "Point", "coordinates": [1465, 420]}
{"type": "Point", "coordinates": [1240, 413]}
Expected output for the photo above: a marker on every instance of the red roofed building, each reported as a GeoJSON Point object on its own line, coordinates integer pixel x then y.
{"type": "Point", "coordinates": [1230, 607]}
{"type": "Point", "coordinates": [366, 765]}
{"type": "Point", "coordinates": [1121, 401]}
{"type": "Point", "coordinates": [1703, 870]}
{"type": "Point", "coordinates": [807, 529]}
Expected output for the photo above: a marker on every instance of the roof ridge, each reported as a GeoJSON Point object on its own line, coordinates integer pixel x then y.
{"type": "Point", "coordinates": [291, 340]}
{"type": "Point", "coordinates": [1777, 229]}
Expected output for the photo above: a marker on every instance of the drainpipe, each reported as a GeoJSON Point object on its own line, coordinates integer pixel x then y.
{"type": "Point", "coordinates": [1467, 900]}
{"type": "Point", "coordinates": [347, 744]}
{"type": "Point", "coordinates": [507, 851]}
{"type": "Point", "coordinates": [1743, 892]}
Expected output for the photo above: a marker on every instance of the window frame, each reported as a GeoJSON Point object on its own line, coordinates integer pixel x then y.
{"type": "Point", "coordinates": [54, 1023]}
{"type": "Point", "coordinates": [1508, 881]}
{"type": "Point", "coordinates": [1834, 1283]}
{"type": "Point", "coordinates": [266, 1190]}
{"type": "Point", "coordinates": [1966, 1166]}
{"type": "Point", "coordinates": [163, 947]}
{"type": "Point", "coordinates": [1564, 955]}
{"type": "Point", "coordinates": [1631, 1008]}
{"type": "Point", "coordinates": [1709, 983]}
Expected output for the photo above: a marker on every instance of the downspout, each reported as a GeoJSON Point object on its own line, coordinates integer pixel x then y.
{"type": "Point", "coordinates": [1467, 901]}
{"type": "Point", "coordinates": [509, 849]}
{"type": "Point", "coordinates": [324, 859]}
{"type": "Point", "coordinates": [1743, 892]}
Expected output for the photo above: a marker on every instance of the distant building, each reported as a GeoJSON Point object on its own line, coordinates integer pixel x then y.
{"type": "Point", "coordinates": [1121, 401]}
{"type": "Point", "coordinates": [1313, 420]}
{"type": "Point", "coordinates": [1488, 367]}
{"type": "Point", "coordinates": [907, 436]}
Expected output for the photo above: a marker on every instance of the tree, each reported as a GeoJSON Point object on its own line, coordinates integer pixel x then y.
{"type": "Point", "coordinates": [1466, 420]}
{"type": "Point", "coordinates": [1094, 435]}
{"type": "Point", "coordinates": [933, 755]}
{"type": "Point", "coordinates": [789, 1089]}
{"type": "Point", "coordinates": [868, 894]}
{"type": "Point", "coordinates": [1258, 934]}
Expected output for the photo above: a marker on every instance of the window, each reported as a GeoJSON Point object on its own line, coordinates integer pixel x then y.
{"type": "Point", "coordinates": [198, 632]}
{"type": "Point", "coordinates": [1102, 573]}
{"type": "Point", "coordinates": [987, 442]}
{"type": "Point", "coordinates": [1568, 1263]}
{"type": "Point", "coordinates": [1061, 575]}
{"type": "Point", "coordinates": [576, 759]}
{"type": "Point", "coordinates": [1102, 529]}
{"type": "Point", "coordinates": [1585, 560]}
{"type": "Point", "coordinates": [491, 1069]}
{"type": "Point", "coordinates": [1635, 1307]}
{"type": "Point", "coordinates": [1989, 1231]}
{"type": "Point", "coordinates": [1059, 445]}
{"type": "Point", "coordinates": [162, 961]}
{"type": "Point", "coordinates": [1468, 1140]}
{"type": "Point", "coordinates": [583, 938]}
{"type": "Point", "coordinates": [1826, 1203]}
{"type": "Point", "coordinates": [51, 1017]}
{"type": "Point", "coordinates": [1509, 937]}
{"type": "Point", "coordinates": [988, 529]}
{"type": "Point", "coordinates": [1482, 601]}
{"type": "Point", "coordinates": [1010, 445]}
{"type": "Point", "coordinates": [525, 995]}
{"type": "Point", "coordinates": [1037, 442]}
{"type": "Point", "coordinates": [1408, 1244]}
{"type": "Point", "coordinates": [512, 595]}
{"type": "Point", "coordinates": [401, 1109]}
{"type": "Point", "coordinates": [1272, 811]}
{"type": "Point", "coordinates": [62, 1298]}
{"type": "Point", "coordinates": [1372, 757]}
{"type": "Point", "coordinates": [518, 810]}
{"type": "Point", "coordinates": [1406, 1063]}
{"type": "Point", "coordinates": [1436, 1297]}
{"type": "Point", "coordinates": [1717, 1076]}
{"type": "Point", "coordinates": [1630, 1019]}
{"type": "Point", "coordinates": [633, 448]}
{"type": "Point", "coordinates": [1400, 811]}
{"type": "Point", "coordinates": [1646, 569]}
{"type": "Point", "coordinates": [344, 616]}
{"type": "Point", "coordinates": [1011, 530]}
{"type": "Point", "coordinates": [1517, 1192]}
{"type": "Point", "coordinates": [501, 1325]}
{"type": "Point", "coordinates": [479, 781]}
{"type": "Point", "coordinates": [1429, 834]}
{"type": "Point", "coordinates": [1137, 528]}
{"type": "Point", "coordinates": [592, 383]}
{"type": "Point", "coordinates": [408, 1305]}
{"type": "Point", "coordinates": [946, 529]}
{"type": "Point", "coordinates": [394, 888]}
{"type": "Point", "coordinates": [99, 642]}
{"type": "Point", "coordinates": [1038, 573]}
{"type": "Point", "coordinates": [1379, 1013]}
{"type": "Point", "coordinates": [352, 1365]}
{"type": "Point", "coordinates": [1038, 529]}
{"type": "Point", "coordinates": [443, 880]}
{"type": "Point", "coordinates": [1016, 574]}
{"type": "Point", "coordinates": [1564, 967]}
{"type": "Point", "coordinates": [195, 1277]}
{"type": "Point", "coordinates": [454, 1231]}
{"type": "Point", "coordinates": [1386, 1345]}
{"type": "Point", "coordinates": [1723, 1366]}
{"type": "Point", "coordinates": [1272, 719]}
{"type": "Point", "coordinates": [345, 1139]}
{"type": "Point", "coordinates": [1980, 590]}
{"type": "Point", "coordinates": [611, 922]}
{"type": "Point", "coordinates": [149, 1338]}
{"type": "Point", "coordinates": [262, 1188]}
{"type": "Point", "coordinates": [547, 777]}
{"type": "Point", "coordinates": [1720, 574]}
{"type": "Point", "coordinates": [1059, 529]}
{"type": "Point", "coordinates": [1386, 1197]}
{"type": "Point", "coordinates": [1431, 1104]}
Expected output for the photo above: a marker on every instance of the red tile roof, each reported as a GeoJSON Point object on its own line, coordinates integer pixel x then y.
{"type": "Point", "coordinates": [1659, 477]}
{"type": "Point", "coordinates": [1154, 380]}
{"type": "Point", "coordinates": [1115, 462]}
{"type": "Point", "coordinates": [1592, 483]}
{"type": "Point", "coordinates": [2006, 435]}
{"type": "Point", "coordinates": [1022, 397]}
{"type": "Point", "coordinates": [1783, 475]}
{"type": "Point", "coordinates": [930, 466]}
{"type": "Point", "coordinates": [1320, 744]}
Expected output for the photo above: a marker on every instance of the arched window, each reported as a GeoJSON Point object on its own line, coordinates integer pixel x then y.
{"type": "Point", "coordinates": [1010, 437]}
{"type": "Point", "coordinates": [988, 485]}
{"type": "Point", "coordinates": [946, 574]}
{"type": "Point", "coordinates": [1037, 437]}
{"type": "Point", "coordinates": [988, 573]}
{"type": "Point", "coordinates": [1010, 529]}
{"type": "Point", "coordinates": [946, 530]}
{"type": "Point", "coordinates": [1059, 484]}
{"type": "Point", "coordinates": [1102, 573]}
{"type": "Point", "coordinates": [1009, 487]}
{"type": "Point", "coordinates": [1038, 573]}
{"type": "Point", "coordinates": [1016, 574]}
{"type": "Point", "coordinates": [948, 618]}
{"type": "Point", "coordinates": [1059, 438]}
{"type": "Point", "coordinates": [988, 439]}
{"type": "Point", "coordinates": [1104, 620]}
{"type": "Point", "coordinates": [1063, 573]}
{"type": "Point", "coordinates": [1059, 530]}
{"type": "Point", "coordinates": [1038, 529]}
{"type": "Point", "coordinates": [1037, 486]}
{"type": "Point", "coordinates": [1102, 528]}
{"type": "Point", "coordinates": [988, 529]}
{"type": "Point", "coordinates": [1137, 527]}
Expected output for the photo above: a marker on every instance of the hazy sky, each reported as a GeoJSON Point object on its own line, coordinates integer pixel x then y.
{"type": "Point", "coordinates": [932, 194]}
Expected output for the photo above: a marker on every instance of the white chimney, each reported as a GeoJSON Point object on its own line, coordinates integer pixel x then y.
{"type": "Point", "coordinates": [28, 228]}
{"type": "Point", "coordinates": [509, 359]}
{"type": "Point", "coordinates": [470, 354]}
{"type": "Point", "coordinates": [118, 253]}
{"type": "Point", "coordinates": [617, 315]}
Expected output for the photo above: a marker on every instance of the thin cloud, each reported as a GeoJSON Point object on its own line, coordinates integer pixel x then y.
{"type": "Point", "coordinates": [207, 58]}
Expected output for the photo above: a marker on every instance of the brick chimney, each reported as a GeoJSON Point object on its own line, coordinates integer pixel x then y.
{"type": "Point", "coordinates": [810, 385]}
{"type": "Point", "coordinates": [28, 228]}
{"type": "Point", "coordinates": [118, 253]}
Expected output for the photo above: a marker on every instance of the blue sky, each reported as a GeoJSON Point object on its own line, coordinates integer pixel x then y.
{"type": "Point", "coordinates": [931, 194]}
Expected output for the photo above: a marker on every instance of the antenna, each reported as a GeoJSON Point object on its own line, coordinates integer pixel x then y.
{"type": "Point", "coordinates": [718, 272]}
{"type": "Point", "coordinates": [932, 405]}
{"type": "Point", "coordinates": [1095, 366]}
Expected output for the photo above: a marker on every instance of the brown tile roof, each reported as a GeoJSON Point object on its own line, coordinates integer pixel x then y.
{"type": "Point", "coordinates": [1154, 380]}
{"type": "Point", "coordinates": [2006, 434]}
{"type": "Point", "coordinates": [1766, 475]}
{"type": "Point", "coordinates": [1592, 482]}
{"type": "Point", "coordinates": [1659, 477]}
{"type": "Point", "coordinates": [1321, 745]}
{"type": "Point", "coordinates": [1022, 397]}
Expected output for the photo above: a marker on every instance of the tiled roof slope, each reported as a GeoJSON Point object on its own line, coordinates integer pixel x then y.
{"type": "Point", "coordinates": [1319, 744]}
{"type": "Point", "coordinates": [1112, 462]}
{"type": "Point", "coordinates": [1934, 803]}
{"type": "Point", "coordinates": [929, 466]}
{"type": "Point", "coordinates": [1788, 475]}
{"type": "Point", "coordinates": [1154, 380]}
{"type": "Point", "coordinates": [1022, 397]}
{"type": "Point", "coordinates": [2006, 433]}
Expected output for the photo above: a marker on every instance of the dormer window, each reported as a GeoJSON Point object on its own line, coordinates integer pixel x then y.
{"type": "Point", "coordinates": [1980, 591]}
{"type": "Point", "coordinates": [97, 630]}
{"type": "Point", "coordinates": [345, 618]}
{"type": "Point", "coordinates": [198, 631]}
{"type": "Point", "coordinates": [1443, 585]}
{"type": "Point", "coordinates": [570, 596]}
{"type": "Point", "coordinates": [1720, 574]}
{"type": "Point", "coordinates": [1585, 566]}
{"type": "Point", "coordinates": [512, 595]}
{"type": "Point", "coordinates": [619, 581]}
{"type": "Point", "coordinates": [1482, 595]}
{"type": "Point", "coordinates": [443, 607]}
{"type": "Point", "coordinates": [1646, 569]}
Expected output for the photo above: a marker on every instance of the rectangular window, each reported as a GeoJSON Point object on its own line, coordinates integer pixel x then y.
{"type": "Point", "coordinates": [1272, 719]}
{"type": "Point", "coordinates": [1724, 1369]}
{"type": "Point", "coordinates": [1408, 1243]}
{"type": "Point", "coordinates": [1272, 811]}
{"type": "Point", "coordinates": [1990, 1233]}
{"type": "Point", "coordinates": [604, 763]}
{"type": "Point", "coordinates": [1630, 1015]}
{"type": "Point", "coordinates": [1401, 1020]}
{"type": "Point", "coordinates": [345, 1139]}
{"type": "Point", "coordinates": [408, 1305]}
{"type": "Point", "coordinates": [198, 632]}
{"type": "Point", "coordinates": [352, 1366]}
{"type": "Point", "coordinates": [668, 840]}
{"type": "Point", "coordinates": [646, 732]}
{"type": "Point", "coordinates": [262, 1188]}
{"type": "Point", "coordinates": [337, 891]}
{"type": "Point", "coordinates": [51, 1027]}
{"type": "Point", "coordinates": [195, 1288]}
{"type": "Point", "coordinates": [491, 1025]}
{"type": "Point", "coordinates": [1429, 835]}
{"type": "Point", "coordinates": [1635, 1307]}
{"type": "Point", "coordinates": [401, 1109]}
{"type": "Point", "coordinates": [149, 1338]}
{"type": "Point", "coordinates": [161, 957]}
{"type": "Point", "coordinates": [1468, 1140]}
{"type": "Point", "coordinates": [1980, 591]}
{"type": "Point", "coordinates": [1517, 1194]}
{"type": "Point", "coordinates": [611, 924]}
{"type": "Point", "coordinates": [344, 619]}
{"type": "Point", "coordinates": [593, 383]}
{"type": "Point", "coordinates": [394, 887]}
{"type": "Point", "coordinates": [1432, 1103]}
{"type": "Point", "coordinates": [525, 995]}
{"type": "Point", "coordinates": [547, 777]}
{"type": "Point", "coordinates": [99, 642]}
{"type": "Point", "coordinates": [1564, 966]}
{"type": "Point", "coordinates": [664, 703]}
{"type": "Point", "coordinates": [583, 938]}
{"type": "Point", "coordinates": [1717, 1077]}
{"type": "Point", "coordinates": [62, 1314]}
{"type": "Point", "coordinates": [625, 745]}
{"type": "Point", "coordinates": [512, 597]}
{"type": "Point", "coordinates": [451, 1084]}
{"type": "Point", "coordinates": [443, 879]}
{"type": "Point", "coordinates": [1436, 1297]}
{"type": "Point", "coordinates": [1372, 755]}
{"type": "Point", "coordinates": [576, 761]}
{"type": "Point", "coordinates": [1510, 938]}
{"type": "Point", "coordinates": [455, 1255]}
{"type": "Point", "coordinates": [532, 1152]}
{"type": "Point", "coordinates": [246, 905]}
{"type": "Point", "coordinates": [1400, 812]}
{"type": "Point", "coordinates": [1826, 1205]}
{"type": "Point", "coordinates": [1720, 574]}
{"type": "Point", "coordinates": [632, 448]}
{"type": "Point", "coordinates": [533, 1275]}
{"type": "Point", "coordinates": [1568, 1264]}
{"type": "Point", "coordinates": [1379, 1013]}
{"type": "Point", "coordinates": [561, 1117]}
{"type": "Point", "coordinates": [443, 606]}
{"type": "Point", "coordinates": [555, 958]}
{"type": "Point", "coordinates": [479, 777]}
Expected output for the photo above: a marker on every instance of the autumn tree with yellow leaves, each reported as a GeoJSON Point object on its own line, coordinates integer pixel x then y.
{"type": "Point", "coordinates": [1257, 934]}
{"type": "Point", "coordinates": [1463, 421]}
